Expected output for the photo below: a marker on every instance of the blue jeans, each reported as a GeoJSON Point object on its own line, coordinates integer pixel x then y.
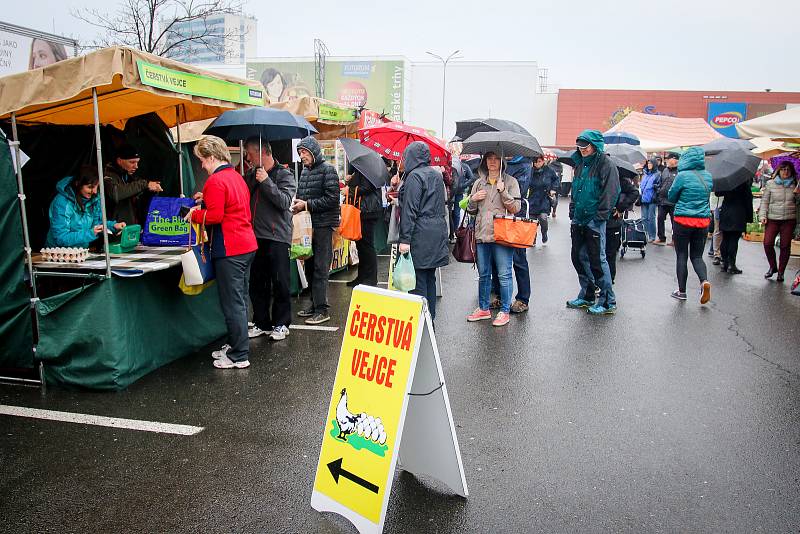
{"type": "Point", "coordinates": [522, 273]}
{"type": "Point", "coordinates": [589, 261]}
{"type": "Point", "coordinates": [649, 216]}
{"type": "Point", "coordinates": [501, 257]}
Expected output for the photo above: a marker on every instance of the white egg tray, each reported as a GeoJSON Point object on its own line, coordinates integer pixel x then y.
{"type": "Point", "coordinates": [65, 254]}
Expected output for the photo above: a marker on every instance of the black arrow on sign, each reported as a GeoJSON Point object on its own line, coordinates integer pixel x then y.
{"type": "Point", "coordinates": [336, 470]}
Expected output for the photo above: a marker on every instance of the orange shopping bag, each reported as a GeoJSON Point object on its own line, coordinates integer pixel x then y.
{"type": "Point", "coordinates": [513, 231]}
{"type": "Point", "coordinates": [350, 227]}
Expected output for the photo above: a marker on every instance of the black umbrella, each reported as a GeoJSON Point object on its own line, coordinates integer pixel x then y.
{"type": "Point", "coordinates": [503, 144]}
{"type": "Point", "coordinates": [366, 161]}
{"type": "Point", "coordinates": [724, 143]}
{"type": "Point", "coordinates": [269, 124]}
{"type": "Point", "coordinates": [731, 168]}
{"type": "Point", "coordinates": [468, 128]}
{"type": "Point", "coordinates": [630, 153]}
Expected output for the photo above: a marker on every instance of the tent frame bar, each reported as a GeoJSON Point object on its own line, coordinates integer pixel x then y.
{"type": "Point", "coordinates": [27, 243]}
{"type": "Point", "coordinates": [80, 102]}
{"type": "Point", "coordinates": [102, 181]}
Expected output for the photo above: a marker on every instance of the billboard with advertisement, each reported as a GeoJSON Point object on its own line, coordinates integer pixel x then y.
{"type": "Point", "coordinates": [19, 53]}
{"type": "Point", "coordinates": [375, 84]}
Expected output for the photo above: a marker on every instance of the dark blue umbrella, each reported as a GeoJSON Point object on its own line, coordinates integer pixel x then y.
{"type": "Point", "coordinates": [620, 138]}
{"type": "Point", "coordinates": [269, 124]}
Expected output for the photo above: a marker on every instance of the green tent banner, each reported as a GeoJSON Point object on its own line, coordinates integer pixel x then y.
{"type": "Point", "coordinates": [197, 85]}
{"type": "Point", "coordinates": [332, 113]}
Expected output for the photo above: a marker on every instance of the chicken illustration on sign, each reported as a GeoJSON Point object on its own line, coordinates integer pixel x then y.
{"type": "Point", "coordinates": [365, 426]}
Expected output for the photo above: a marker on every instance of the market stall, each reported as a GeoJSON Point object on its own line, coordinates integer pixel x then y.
{"type": "Point", "coordinates": [109, 321]}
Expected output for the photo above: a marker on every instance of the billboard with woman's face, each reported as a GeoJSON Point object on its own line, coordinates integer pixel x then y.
{"type": "Point", "coordinates": [19, 53]}
{"type": "Point", "coordinates": [377, 85]}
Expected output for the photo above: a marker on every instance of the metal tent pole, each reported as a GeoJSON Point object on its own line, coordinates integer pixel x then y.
{"type": "Point", "coordinates": [180, 150]}
{"type": "Point", "coordinates": [102, 186]}
{"type": "Point", "coordinates": [26, 239]}
{"type": "Point", "coordinates": [241, 157]}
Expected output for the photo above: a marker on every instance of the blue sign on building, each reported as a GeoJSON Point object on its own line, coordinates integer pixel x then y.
{"type": "Point", "coordinates": [724, 116]}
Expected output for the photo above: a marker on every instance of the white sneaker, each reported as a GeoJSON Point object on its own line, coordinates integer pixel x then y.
{"type": "Point", "coordinates": [221, 353]}
{"type": "Point", "coordinates": [279, 332]}
{"type": "Point", "coordinates": [226, 363]}
{"type": "Point", "coordinates": [255, 331]}
{"type": "Point", "coordinates": [250, 324]}
{"type": "Point", "coordinates": [544, 243]}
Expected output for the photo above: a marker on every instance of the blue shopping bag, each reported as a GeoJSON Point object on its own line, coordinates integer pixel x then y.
{"type": "Point", "coordinates": [164, 226]}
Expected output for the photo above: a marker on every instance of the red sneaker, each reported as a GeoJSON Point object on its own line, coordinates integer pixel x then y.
{"type": "Point", "coordinates": [501, 319]}
{"type": "Point", "coordinates": [479, 315]}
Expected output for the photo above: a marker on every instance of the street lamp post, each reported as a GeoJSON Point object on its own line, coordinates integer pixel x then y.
{"type": "Point", "coordinates": [444, 79]}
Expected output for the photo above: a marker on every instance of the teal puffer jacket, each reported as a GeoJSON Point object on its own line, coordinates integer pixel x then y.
{"type": "Point", "coordinates": [71, 225]}
{"type": "Point", "coordinates": [692, 185]}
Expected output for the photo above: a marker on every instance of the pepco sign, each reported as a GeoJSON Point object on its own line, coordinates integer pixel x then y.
{"type": "Point", "coordinates": [724, 116]}
{"type": "Point", "coordinates": [724, 120]}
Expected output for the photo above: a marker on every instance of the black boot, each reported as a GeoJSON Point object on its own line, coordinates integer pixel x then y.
{"type": "Point", "coordinates": [724, 266]}
{"type": "Point", "coordinates": [769, 273]}
{"type": "Point", "coordinates": [780, 277]}
{"type": "Point", "coordinates": [734, 270]}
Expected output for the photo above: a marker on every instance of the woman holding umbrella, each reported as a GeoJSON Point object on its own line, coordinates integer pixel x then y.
{"type": "Point", "coordinates": [493, 193]}
{"type": "Point", "coordinates": [734, 214]}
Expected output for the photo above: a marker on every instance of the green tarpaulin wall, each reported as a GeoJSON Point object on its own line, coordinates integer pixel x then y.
{"type": "Point", "coordinates": [110, 333]}
{"type": "Point", "coordinates": [16, 335]}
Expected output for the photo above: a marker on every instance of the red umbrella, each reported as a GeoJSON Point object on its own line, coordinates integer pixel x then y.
{"type": "Point", "coordinates": [390, 139]}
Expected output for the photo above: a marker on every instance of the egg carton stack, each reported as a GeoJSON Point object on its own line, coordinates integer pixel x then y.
{"type": "Point", "coordinates": [65, 254]}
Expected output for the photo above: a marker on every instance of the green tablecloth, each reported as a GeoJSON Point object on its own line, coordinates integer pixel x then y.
{"type": "Point", "coordinates": [110, 333]}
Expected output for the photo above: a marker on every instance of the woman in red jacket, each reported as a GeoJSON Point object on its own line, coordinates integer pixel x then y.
{"type": "Point", "coordinates": [226, 213]}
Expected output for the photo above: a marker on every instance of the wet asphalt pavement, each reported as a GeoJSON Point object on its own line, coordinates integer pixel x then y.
{"type": "Point", "coordinates": [669, 416]}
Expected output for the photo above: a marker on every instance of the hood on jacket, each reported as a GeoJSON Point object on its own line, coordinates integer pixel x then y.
{"type": "Point", "coordinates": [312, 145]}
{"type": "Point", "coordinates": [483, 169]}
{"type": "Point", "coordinates": [692, 160]}
{"type": "Point", "coordinates": [654, 161]}
{"type": "Point", "coordinates": [64, 188]}
{"type": "Point", "coordinates": [416, 155]}
{"type": "Point", "coordinates": [595, 138]}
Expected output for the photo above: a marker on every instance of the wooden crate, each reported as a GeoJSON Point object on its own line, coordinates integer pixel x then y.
{"type": "Point", "coordinates": [795, 248]}
{"type": "Point", "coordinates": [755, 237]}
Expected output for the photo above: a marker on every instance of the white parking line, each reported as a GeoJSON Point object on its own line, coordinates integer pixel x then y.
{"type": "Point", "coordinates": [98, 420]}
{"type": "Point", "coordinates": [313, 327]}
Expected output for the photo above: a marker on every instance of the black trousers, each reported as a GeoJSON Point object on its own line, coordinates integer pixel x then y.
{"type": "Point", "coordinates": [426, 287]}
{"type": "Point", "coordinates": [689, 245]}
{"type": "Point", "coordinates": [730, 247]}
{"type": "Point", "coordinates": [269, 285]}
{"type": "Point", "coordinates": [319, 267]}
{"type": "Point", "coordinates": [613, 242]}
{"type": "Point", "coordinates": [663, 211]}
{"type": "Point", "coordinates": [232, 281]}
{"type": "Point", "coordinates": [367, 256]}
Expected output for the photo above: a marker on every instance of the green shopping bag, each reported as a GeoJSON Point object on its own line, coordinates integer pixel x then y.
{"type": "Point", "coordinates": [404, 278]}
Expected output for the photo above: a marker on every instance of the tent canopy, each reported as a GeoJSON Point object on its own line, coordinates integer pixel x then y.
{"type": "Point", "coordinates": [660, 132]}
{"type": "Point", "coordinates": [331, 119]}
{"type": "Point", "coordinates": [129, 83]}
{"type": "Point", "coordinates": [783, 126]}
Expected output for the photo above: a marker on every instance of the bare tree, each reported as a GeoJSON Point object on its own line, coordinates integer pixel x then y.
{"type": "Point", "coordinates": [169, 28]}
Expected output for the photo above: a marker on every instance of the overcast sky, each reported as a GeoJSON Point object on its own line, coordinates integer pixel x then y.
{"type": "Point", "coordinates": [618, 44]}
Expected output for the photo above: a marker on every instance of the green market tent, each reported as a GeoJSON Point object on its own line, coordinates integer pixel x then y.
{"type": "Point", "coordinates": [99, 331]}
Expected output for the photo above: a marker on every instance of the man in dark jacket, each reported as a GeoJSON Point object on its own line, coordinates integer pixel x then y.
{"type": "Point", "coordinates": [272, 188]}
{"type": "Point", "coordinates": [367, 197]}
{"type": "Point", "coordinates": [123, 191]}
{"type": "Point", "coordinates": [595, 189]}
{"type": "Point", "coordinates": [318, 193]}
{"type": "Point", "coordinates": [627, 197]}
{"type": "Point", "coordinates": [665, 207]}
{"type": "Point", "coordinates": [423, 220]}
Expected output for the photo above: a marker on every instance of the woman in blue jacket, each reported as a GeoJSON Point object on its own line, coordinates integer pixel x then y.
{"type": "Point", "coordinates": [689, 192]}
{"type": "Point", "coordinates": [647, 190]}
{"type": "Point", "coordinates": [75, 212]}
